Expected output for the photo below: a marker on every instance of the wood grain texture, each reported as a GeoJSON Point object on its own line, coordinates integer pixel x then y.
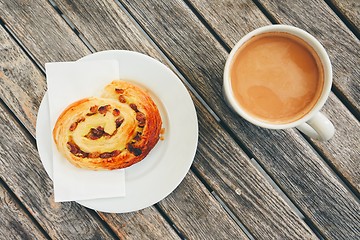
{"type": "Point", "coordinates": [316, 17]}
{"type": "Point", "coordinates": [230, 173]}
{"type": "Point", "coordinates": [350, 9]}
{"type": "Point", "coordinates": [15, 223]}
{"type": "Point", "coordinates": [19, 161]}
{"type": "Point", "coordinates": [105, 27]}
{"type": "Point", "coordinates": [194, 216]}
{"type": "Point", "coordinates": [341, 151]}
{"type": "Point", "coordinates": [285, 155]}
{"type": "Point", "coordinates": [22, 87]}
{"type": "Point", "coordinates": [230, 19]}
{"type": "Point", "coordinates": [269, 209]}
{"type": "Point", "coordinates": [22, 97]}
{"type": "Point", "coordinates": [27, 19]}
{"type": "Point", "coordinates": [143, 224]}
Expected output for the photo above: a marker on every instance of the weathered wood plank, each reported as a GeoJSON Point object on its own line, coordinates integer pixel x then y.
{"type": "Point", "coordinates": [143, 224]}
{"type": "Point", "coordinates": [316, 17]}
{"type": "Point", "coordinates": [194, 216]}
{"type": "Point", "coordinates": [263, 219]}
{"type": "Point", "coordinates": [44, 57]}
{"type": "Point", "coordinates": [22, 86]}
{"type": "Point", "coordinates": [231, 174]}
{"type": "Point", "coordinates": [350, 9]}
{"type": "Point", "coordinates": [22, 171]}
{"type": "Point", "coordinates": [27, 19]}
{"type": "Point", "coordinates": [341, 150]}
{"type": "Point", "coordinates": [15, 65]}
{"type": "Point", "coordinates": [230, 19]}
{"type": "Point", "coordinates": [15, 223]}
{"type": "Point", "coordinates": [286, 156]}
{"type": "Point", "coordinates": [90, 15]}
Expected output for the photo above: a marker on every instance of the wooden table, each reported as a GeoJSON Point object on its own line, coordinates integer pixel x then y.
{"type": "Point", "coordinates": [245, 182]}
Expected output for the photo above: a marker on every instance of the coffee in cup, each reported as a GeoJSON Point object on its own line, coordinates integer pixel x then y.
{"type": "Point", "coordinates": [279, 77]}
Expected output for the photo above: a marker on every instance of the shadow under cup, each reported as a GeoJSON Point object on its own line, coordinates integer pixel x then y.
{"type": "Point", "coordinates": [277, 77]}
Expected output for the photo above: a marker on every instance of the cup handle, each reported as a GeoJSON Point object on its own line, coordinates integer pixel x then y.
{"type": "Point", "coordinates": [318, 127]}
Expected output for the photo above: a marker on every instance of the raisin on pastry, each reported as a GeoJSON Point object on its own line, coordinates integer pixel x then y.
{"type": "Point", "coordinates": [114, 131]}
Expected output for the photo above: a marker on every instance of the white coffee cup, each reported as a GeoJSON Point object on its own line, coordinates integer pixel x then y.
{"type": "Point", "coordinates": [314, 124]}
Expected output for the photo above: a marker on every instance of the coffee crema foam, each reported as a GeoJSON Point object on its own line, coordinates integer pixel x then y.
{"type": "Point", "coordinates": [276, 77]}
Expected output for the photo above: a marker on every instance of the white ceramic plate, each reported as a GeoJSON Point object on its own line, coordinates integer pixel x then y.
{"type": "Point", "coordinates": [156, 176]}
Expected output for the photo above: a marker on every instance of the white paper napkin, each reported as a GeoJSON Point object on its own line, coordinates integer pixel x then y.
{"type": "Point", "coordinates": [68, 82]}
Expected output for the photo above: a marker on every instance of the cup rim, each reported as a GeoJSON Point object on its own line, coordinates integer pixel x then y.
{"type": "Point", "coordinates": [313, 42]}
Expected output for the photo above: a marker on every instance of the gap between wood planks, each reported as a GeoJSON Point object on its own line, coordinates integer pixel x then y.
{"type": "Point", "coordinates": [288, 201]}
{"type": "Point", "coordinates": [18, 122]}
{"type": "Point", "coordinates": [343, 18]}
{"type": "Point", "coordinates": [169, 221]}
{"type": "Point", "coordinates": [222, 203]}
{"type": "Point", "coordinates": [340, 177]}
{"type": "Point", "coordinates": [23, 208]}
{"type": "Point", "coordinates": [197, 95]}
{"type": "Point", "coordinates": [207, 25]}
{"type": "Point", "coordinates": [7, 188]}
{"type": "Point", "coordinates": [72, 26]}
{"type": "Point", "coordinates": [356, 32]}
{"type": "Point", "coordinates": [21, 45]}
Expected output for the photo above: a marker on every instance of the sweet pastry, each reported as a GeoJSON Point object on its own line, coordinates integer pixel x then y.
{"type": "Point", "coordinates": [114, 131]}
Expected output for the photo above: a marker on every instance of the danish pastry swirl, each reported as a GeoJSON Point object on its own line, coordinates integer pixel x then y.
{"type": "Point", "coordinates": [111, 132]}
